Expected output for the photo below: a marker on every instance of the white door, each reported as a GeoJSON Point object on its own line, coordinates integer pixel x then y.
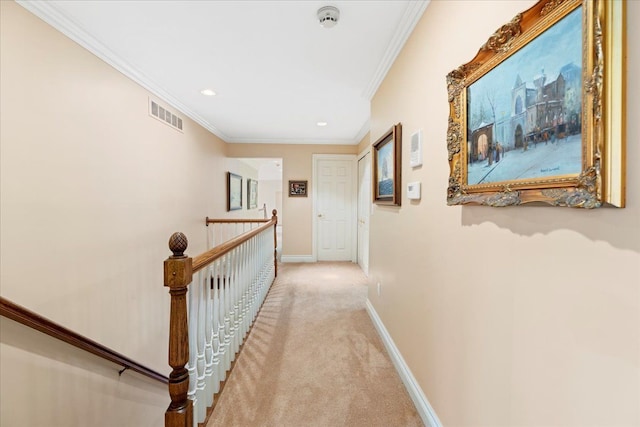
{"type": "Point", "coordinates": [364, 208]}
{"type": "Point", "coordinates": [334, 207]}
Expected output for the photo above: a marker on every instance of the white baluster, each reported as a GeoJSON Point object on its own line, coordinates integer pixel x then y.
{"type": "Point", "coordinates": [222, 314]}
{"type": "Point", "coordinates": [208, 336]}
{"type": "Point", "coordinates": [202, 284]}
{"type": "Point", "coordinates": [242, 275]}
{"type": "Point", "coordinates": [193, 348]}
{"type": "Point", "coordinates": [230, 308]}
{"type": "Point", "coordinates": [227, 313]}
{"type": "Point", "coordinates": [251, 282]}
{"type": "Point", "coordinates": [215, 322]}
{"type": "Point", "coordinates": [239, 297]}
{"type": "Point", "coordinates": [257, 273]}
{"type": "Point", "coordinates": [235, 285]}
{"type": "Point", "coordinates": [248, 282]}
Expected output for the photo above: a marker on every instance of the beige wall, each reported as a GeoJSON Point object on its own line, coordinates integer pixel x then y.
{"type": "Point", "coordinates": [365, 143]}
{"type": "Point", "coordinates": [91, 188]}
{"type": "Point", "coordinates": [521, 316]}
{"type": "Point", "coordinates": [296, 165]}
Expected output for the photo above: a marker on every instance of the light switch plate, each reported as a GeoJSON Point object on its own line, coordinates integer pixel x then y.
{"type": "Point", "coordinates": [413, 190]}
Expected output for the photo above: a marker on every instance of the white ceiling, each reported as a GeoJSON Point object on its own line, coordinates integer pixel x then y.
{"type": "Point", "coordinates": [275, 70]}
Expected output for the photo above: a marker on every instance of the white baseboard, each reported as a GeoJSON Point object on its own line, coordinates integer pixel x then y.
{"type": "Point", "coordinates": [297, 258]}
{"type": "Point", "coordinates": [426, 412]}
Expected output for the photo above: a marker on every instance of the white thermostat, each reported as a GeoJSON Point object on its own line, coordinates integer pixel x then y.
{"type": "Point", "coordinates": [413, 191]}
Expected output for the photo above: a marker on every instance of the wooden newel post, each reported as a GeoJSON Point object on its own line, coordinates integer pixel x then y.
{"type": "Point", "coordinates": [274, 217]}
{"type": "Point", "coordinates": [177, 276]}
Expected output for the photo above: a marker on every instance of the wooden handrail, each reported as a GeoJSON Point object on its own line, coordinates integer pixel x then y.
{"type": "Point", "coordinates": [206, 258]}
{"type": "Point", "coordinates": [33, 320]}
{"type": "Point", "coordinates": [233, 220]}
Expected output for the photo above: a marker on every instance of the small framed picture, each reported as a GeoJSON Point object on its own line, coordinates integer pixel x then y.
{"type": "Point", "coordinates": [387, 163]}
{"type": "Point", "coordinates": [252, 193]}
{"type": "Point", "coordinates": [234, 192]}
{"type": "Point", "coordinates": [297, 188]}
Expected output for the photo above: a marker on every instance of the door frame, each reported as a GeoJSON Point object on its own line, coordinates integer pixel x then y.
{"type": "Point", "coordinates": [366, 151]}
{"type": "Point", "coordinates": [354, 202]}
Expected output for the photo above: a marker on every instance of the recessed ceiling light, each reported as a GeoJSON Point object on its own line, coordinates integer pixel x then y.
{"type": "Point", "coordinates": [321, 124]}
{"type": "Point", "coordinates": [208, 92]}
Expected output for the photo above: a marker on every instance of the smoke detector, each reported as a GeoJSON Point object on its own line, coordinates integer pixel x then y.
{"type": "Point", "coordinates": [328, 16]}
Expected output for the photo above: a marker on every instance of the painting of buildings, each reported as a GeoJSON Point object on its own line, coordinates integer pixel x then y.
{"type": "Point", "coordinates": [531, 127]}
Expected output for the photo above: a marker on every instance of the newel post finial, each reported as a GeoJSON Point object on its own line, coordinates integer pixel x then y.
{"type": "Point", "coordinates": [178, 244]}
{"type": "Point", "coordinates": [178, 274]}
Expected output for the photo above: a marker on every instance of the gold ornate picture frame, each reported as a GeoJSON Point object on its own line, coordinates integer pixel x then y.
{"type": "Point", "coordinates": [538, 114]}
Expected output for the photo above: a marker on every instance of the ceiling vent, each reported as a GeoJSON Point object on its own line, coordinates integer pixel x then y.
{"type": "Point", "coordinates": [167, 117]}
{"type": "Point", "coordinates": [328, 16]}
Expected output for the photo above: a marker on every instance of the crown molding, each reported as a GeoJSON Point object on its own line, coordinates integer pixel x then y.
{"type": "Point", "coordinates": [354, 141]}
{"type": "Point", "coordinates": [292, 141]}
{"type": "Point", "coordinates": [52, 16]}
{"type": "Point", "coordinates": [366, 127]}
{"type": "Point", "coordinates": [408, 22]}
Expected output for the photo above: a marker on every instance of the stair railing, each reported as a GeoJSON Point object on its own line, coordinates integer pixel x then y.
{"type": "Point", "coordinates": [225, 229]}
{"type": "Point", "coordinates": [228, 286]}
{"type": "Point", "coordinates": [26, 317]}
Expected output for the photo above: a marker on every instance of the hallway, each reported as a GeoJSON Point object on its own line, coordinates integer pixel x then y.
{"type": "Point", "coordinates": [314, 359]}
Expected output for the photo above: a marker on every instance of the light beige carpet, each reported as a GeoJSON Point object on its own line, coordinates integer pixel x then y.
{"type": "Point", "coordinates": [313, 358]}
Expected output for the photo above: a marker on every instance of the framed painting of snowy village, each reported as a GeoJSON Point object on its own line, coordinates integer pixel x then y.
{"type": "Point", "coordinates": [387, 167]}
{"type": "Point", "coordinates": [538, 114]}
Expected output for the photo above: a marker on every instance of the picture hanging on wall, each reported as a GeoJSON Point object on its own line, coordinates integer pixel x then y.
{"type": "Point", "coordinates": [297, 188]}
{"type": "Point", "coordinates": [531, 116]}
{"type": "Point", "coordinates": [387, 167]}
{"type": "Point", "coordinates": [234, 192]}
{"type": "Point", "coordinates": [252, 193]}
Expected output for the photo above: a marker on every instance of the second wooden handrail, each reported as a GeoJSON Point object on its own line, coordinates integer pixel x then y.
{"type": "Point", "coordinates": [233, 220]}
{"type": "Point", "coordinates": [204, 259]}
{"type": "Point", "coordinates": [33, 320]}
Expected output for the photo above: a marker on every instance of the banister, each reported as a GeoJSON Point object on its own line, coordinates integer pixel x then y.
{"type": "Point", "coordinates": [178, 277]}
{"type": "Point", "coordinates": [206, 258]}
{"type": "Point", "coordinates": [233, 220]}
{"type": "Point", "coordinates": [33, 320]}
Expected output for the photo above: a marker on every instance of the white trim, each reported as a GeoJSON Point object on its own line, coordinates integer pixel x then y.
{"type": "Point", "coordinates": [364, 152]}
{"type": "Point", "coordinates": [354, 207]}
{"type": "Point", "coordinates": [297, 258]}
{"type": "Point", "coordinates": [428, 415]}
{"type": "Point", "coordinates": [361, 156]}
{"type": "Point", "coordinates": [409, 20]}
{"type": "Point", "coordinates": [294, 141]}
{"type": "Point", "coordinates": [366, 127]}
